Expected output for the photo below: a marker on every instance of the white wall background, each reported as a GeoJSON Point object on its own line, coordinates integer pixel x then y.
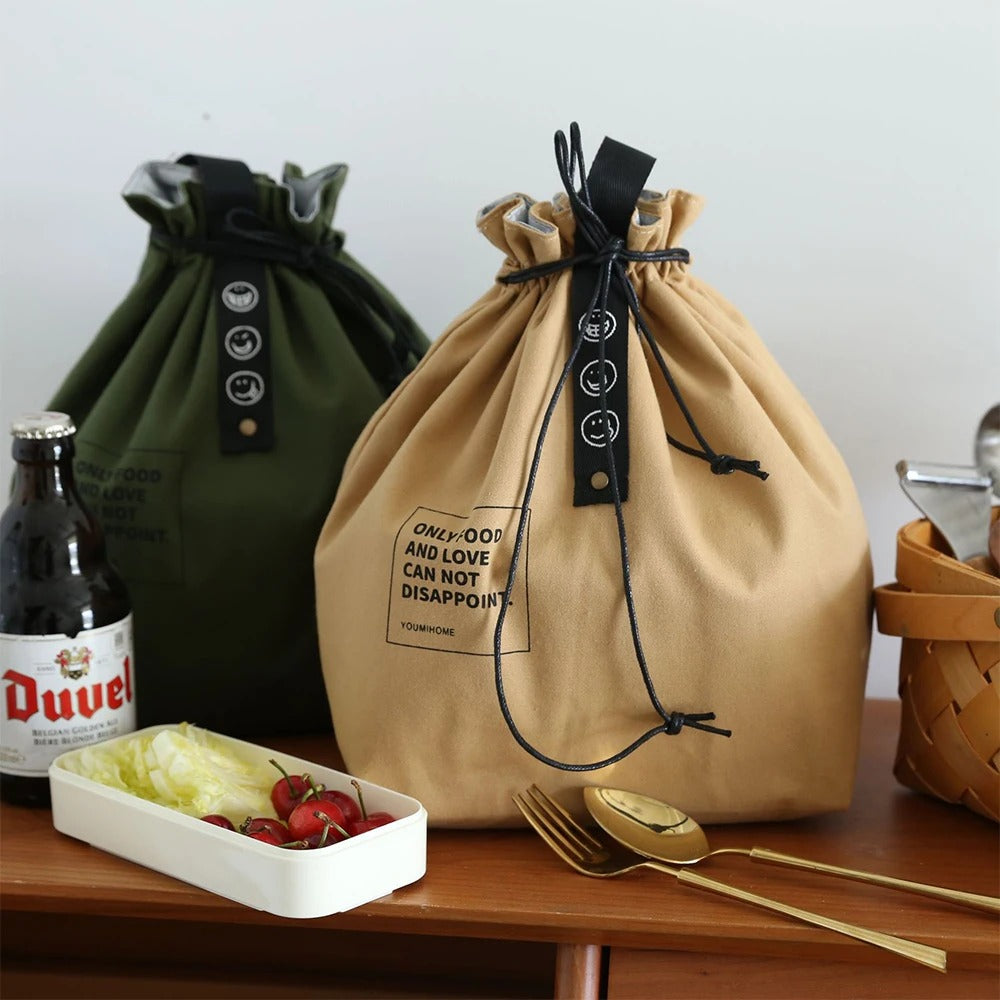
{"type": "Point", "coordinates": [848, 150]}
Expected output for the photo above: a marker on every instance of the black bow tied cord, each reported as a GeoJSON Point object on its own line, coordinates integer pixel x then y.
{"type": "Point", "coordinates": [245, 234]}
{"type": "Point", "coordinates": [610, 253]}
{"type": "Point", "coordinates": [609, 249]}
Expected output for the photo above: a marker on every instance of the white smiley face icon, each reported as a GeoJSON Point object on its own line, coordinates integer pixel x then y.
{"type": "Point", "coordinates": [245, 388]}
{"type": "Point", "coordinates": [592, 332]}
{"type": "Point", "coordinates": [243, 342]}
{"type": "Point", "coordinates": [590, 377]}
{"type": "Point", "coordinates": [240, 296]}
{"type": "Point", "coordinates": [592, 428]}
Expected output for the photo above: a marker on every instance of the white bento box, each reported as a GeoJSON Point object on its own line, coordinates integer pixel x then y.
{"type": "Point", "coordinates": [289, 883]}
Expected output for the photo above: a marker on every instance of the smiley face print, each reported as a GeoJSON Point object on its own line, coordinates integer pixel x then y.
{"type": "Point", "coordinates": [242, 342]}
{"type": "Point", "coordinates": [592, 428]}
{"type": "Point", "coordinates": [590, 377]}
{"type": "Point", "coordinates": [245, 388]}
{"type": "Point", "coordinates": [240, 296]}
{"type": "Point", "coordinates": [591, 326]}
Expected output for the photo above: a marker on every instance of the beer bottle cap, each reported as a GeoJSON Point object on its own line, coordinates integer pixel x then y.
{"type": "Point", "coordinates": [43, 426]}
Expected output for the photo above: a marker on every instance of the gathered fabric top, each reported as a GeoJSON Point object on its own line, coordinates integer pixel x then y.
{"type": "Point", "coordinates": [532, 232]}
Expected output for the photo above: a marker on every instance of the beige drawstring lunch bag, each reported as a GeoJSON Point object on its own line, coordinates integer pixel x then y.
{"type": "Point", "coordinates": [597, 536]}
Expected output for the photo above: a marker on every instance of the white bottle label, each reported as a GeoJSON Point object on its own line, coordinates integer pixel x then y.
{"type": "Point", "coordinates": [60, 693]}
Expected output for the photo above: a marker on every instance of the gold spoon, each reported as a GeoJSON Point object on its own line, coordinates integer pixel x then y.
{"type": "Point", "coordinates": [657, 830]}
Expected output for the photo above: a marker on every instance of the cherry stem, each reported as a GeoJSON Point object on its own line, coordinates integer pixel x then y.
{"type": "Point", "coordinates": [328, 822]}
{"type": "Point", "coordinates": [245, 825]}
{"type": "Point", "coordinates": [314, 789]}
{"type": "Point", "coordinates": [291, 787]}
{"type": "Point", "coordinates": [361, 798]}
{"type": "Point", "coordinates": [295, 844]}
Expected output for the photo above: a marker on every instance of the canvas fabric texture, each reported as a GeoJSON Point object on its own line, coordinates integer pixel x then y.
{"type": "Point", "coordinates": [216, 548]}
{"type": "Point", "coordinates": [753, 597]}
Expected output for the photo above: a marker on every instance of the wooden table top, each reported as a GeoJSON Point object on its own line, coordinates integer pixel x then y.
{"type": "Point", "coordinates": [509, 885]}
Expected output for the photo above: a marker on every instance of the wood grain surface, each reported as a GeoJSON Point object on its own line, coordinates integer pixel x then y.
{"type": "Point", "coordinates": [506, 885]}
{"type": "Point", "coordinates": [641, 975]}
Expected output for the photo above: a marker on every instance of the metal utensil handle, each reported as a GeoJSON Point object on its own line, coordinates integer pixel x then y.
{"type": "Point", "coordinates": [944, 475]}
{"type": "Point", "coordinates": [933, 958]}
{"type": "Point", "coordinates": [991, 904]}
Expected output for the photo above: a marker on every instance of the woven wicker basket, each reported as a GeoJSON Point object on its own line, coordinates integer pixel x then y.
{"type": "Point", "coordinates": [948, 614]}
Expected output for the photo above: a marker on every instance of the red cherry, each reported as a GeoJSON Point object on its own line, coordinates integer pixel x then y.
{"type": "Point", "coordinates": [264, 824]}
{"type": "Point", "coordinates": [266, 837]}
{"type": "Point", "coordinates": [288, 791]}
{"type": "Point", "coordinates": [350, 808]}
{"type": "Point", "coordinates": [368, 821]}
{"type": "Point", "coordinates": [372, 822]}
{"type": "Point", "coordinates": [304, 821]}
{"type": "Point", "coordinates": [217, 819]}
{"type": "Point", "coordinates": [327, 838]}
{"type": "Point", "coordinates": [330, 836]}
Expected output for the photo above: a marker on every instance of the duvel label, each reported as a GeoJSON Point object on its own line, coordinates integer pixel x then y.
{"type": "Point", "coordinates": [449, 574]}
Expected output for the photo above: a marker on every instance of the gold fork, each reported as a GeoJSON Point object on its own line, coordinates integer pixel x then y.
{"type": "Point", "coordinates": [605, 858]}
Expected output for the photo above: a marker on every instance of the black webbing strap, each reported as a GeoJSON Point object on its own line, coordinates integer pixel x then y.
{"type": "Point", "coordinates": [615, 181]}
{"type": "Point", "coordinates": [245, 408]}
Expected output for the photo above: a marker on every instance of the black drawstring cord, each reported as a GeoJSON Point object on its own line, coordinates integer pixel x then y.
{"type": "Point", "coordinates": [610, 253]}
{"type": "Point", "coordinates": [612, 248]}
{"type": "Point", "coordinates": [246, 234]}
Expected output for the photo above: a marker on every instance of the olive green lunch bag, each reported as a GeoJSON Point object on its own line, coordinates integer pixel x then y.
{"type": "Point", "coordinates": [216, 408]}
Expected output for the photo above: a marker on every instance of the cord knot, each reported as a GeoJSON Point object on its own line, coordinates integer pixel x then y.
{"type": "Point", "coordinates": [308, 254]}
{"type": "Point", "coordinates": [674, 723]}
{"type": "Point", "coordinates": [722, 465]}
{"type": "Point", "coordinates": [611, 250]}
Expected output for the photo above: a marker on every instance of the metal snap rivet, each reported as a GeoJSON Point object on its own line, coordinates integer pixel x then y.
{"type": "Point", "coordinates": [599, 480]}
{"type": "Point", "coordinates": [248, 427]}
